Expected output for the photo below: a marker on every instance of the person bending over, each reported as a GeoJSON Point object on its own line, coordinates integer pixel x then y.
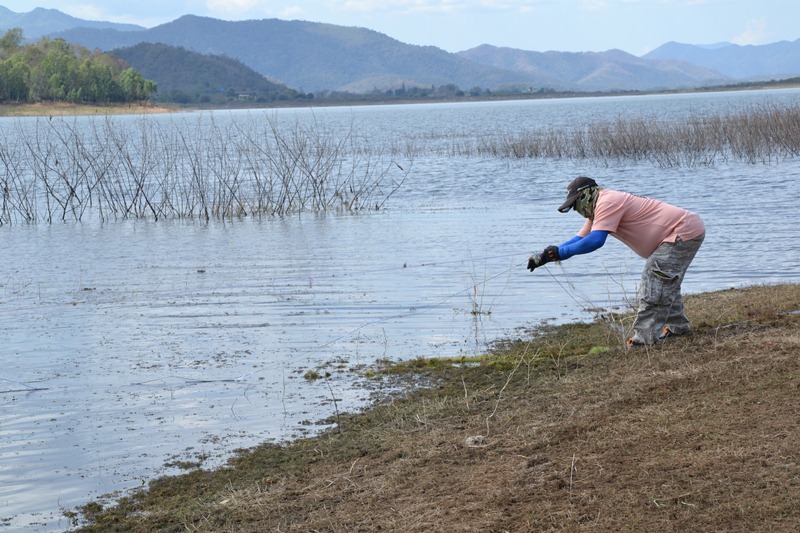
{"type": "Point", "coordinates": [667, 236]}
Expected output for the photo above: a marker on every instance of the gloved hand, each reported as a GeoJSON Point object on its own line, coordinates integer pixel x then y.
{"type": "Point", "coordinates": [551, 253]}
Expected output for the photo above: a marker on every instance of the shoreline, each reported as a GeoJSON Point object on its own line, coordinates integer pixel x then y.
{"type": "Point", "coordinates": [69, 109]}
{"type": "Point", "coordinates": [562, 429]}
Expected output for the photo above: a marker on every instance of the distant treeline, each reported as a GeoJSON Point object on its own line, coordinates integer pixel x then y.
{"type": "Point", "coordinates": [187, 77]}
{"type": "Point", "coordinates": [54, 70]}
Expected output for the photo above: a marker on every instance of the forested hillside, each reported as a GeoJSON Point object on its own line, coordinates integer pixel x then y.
{"type": "Point", "coordinates": [185, 77]}
{"type": "Point", "coordinates": [55, 70]}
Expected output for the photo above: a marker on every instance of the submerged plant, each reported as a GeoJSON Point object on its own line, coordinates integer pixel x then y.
{"type": "Point", "coordinates": [754, 134]}
{"type": "Point", "coordinates": [57, 170]}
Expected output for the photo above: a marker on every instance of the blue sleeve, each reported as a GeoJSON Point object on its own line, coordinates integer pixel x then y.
{"type": "Point", "coordinates": [576, 246]}
{"type": "Point", "coordinates": [573, 240]}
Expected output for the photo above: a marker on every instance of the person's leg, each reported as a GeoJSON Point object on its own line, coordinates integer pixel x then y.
{"type": "Point", "coordinates": [683, 254]}
{"type": "Point", "coordinates": [651, 313]}
{"type": "Point", "coordinates": [660, 302]}
{"type": "Point", "coordinates": [676, 318]}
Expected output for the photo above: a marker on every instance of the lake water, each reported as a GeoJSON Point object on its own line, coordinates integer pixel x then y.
{"type": "Point", "coordinates": [126, 345]}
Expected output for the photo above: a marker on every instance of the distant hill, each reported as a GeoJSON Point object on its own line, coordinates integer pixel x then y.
{"type": "Point", "coordinates": [41, 22]}
{"type": "Point", "coordinates": [183, 76]}
{"type": "Point", "coordinates": [597, 71]}
{"type": "Point", "coordinates": [310, 56]}
{"type": "Point", "coordinates": [763, 62]}
{"type": "Point", "coordinates": [315, 57]}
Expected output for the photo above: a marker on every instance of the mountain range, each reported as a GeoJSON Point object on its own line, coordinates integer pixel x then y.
{"type": "Point", "coordinates": [41, 22]}
{"type": "Point", "coordinates": [769, 61]}
{"type": "Point", "coordinates": [318, 57]}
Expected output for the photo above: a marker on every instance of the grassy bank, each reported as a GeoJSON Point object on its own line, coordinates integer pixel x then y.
{"type": "Point", "coordinates": [562, 430]}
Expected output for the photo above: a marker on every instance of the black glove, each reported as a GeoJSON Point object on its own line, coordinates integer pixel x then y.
{"type": "Point", "coordinates": [551, 253]}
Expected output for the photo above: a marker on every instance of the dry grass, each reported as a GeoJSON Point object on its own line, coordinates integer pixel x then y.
{"type": "Point", "coordinates": [757, 134]}
{"type": "Point", "coordinates": [61, 109]}
{"type": "Point", "coordinates": [698, 434]}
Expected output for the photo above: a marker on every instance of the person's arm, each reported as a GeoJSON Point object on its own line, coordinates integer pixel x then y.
{"type": "Point", "coordinates": [573, 240]}
{"type": "Point", "coordinates": [583, 245]}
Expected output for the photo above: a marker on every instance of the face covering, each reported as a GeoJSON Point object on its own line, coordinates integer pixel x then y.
{"type": "Point", "coordinates": [585, 202]}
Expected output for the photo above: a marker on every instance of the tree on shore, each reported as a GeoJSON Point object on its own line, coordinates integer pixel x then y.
{"type": "Point", "coordinates": [55, 70]}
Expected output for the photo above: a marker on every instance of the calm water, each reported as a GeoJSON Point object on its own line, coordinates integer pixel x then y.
{"type": "Point", "coordinates": [130, 344]}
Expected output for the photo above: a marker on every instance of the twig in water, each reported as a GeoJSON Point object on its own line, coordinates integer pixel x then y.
{"type": "Point", "coordinates": [335, 405]}
{"type": "Point", "coordinates": [27, 388]}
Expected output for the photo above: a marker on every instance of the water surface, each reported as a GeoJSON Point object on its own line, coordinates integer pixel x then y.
{"type": "Point", "coordinates": [129, 344]}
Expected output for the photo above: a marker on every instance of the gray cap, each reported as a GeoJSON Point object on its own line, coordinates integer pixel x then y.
{"type": "Point", "coordinates": [576, 186]}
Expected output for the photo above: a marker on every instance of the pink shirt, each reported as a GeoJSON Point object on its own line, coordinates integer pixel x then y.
{"type": "Point", "coordinates": [642, 223]}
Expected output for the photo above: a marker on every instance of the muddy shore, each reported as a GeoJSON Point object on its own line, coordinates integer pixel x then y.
{"type": "Point", "coordinates": [561, 429]}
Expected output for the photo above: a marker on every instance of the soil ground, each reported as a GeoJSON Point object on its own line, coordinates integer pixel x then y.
{"type": "Point", "coordinates": [563, 430]}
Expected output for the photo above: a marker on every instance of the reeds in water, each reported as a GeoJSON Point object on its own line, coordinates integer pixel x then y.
{"type": "Point", "coordinates": [56, 170]}
{"type": "Point", "coordinates": [753, 135]}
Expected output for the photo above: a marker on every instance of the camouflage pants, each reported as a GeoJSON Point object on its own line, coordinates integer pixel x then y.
{"type": "Point", "coordinates": [660, 301]}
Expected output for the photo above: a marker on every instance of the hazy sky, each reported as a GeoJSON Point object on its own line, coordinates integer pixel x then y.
{"type": "Point", "coordinates": [635, 26]}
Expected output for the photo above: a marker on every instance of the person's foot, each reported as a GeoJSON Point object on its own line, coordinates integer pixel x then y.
{"type": "Point", "coordinates": [668, 332]}
{"type": "Point", "coordinates": [634, 342]}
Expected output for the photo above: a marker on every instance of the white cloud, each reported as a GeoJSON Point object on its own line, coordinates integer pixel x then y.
{"type": "Point", "coordinates": [233, 6]}
{"type": "Point", "coordinates": [595, 5]}
{"type": "Point", "coordinates": [94, 12]}
{"type": "Point", "coordinates": [407, 6]}
{"type": "Point", "coordinates": [292, 12]}
{"type": "Point", "coordinates": [428, 6]}
{"type": "Point", "coordinates": [85, 11]}
{"type": "Point", "coordinates": [755, 33]}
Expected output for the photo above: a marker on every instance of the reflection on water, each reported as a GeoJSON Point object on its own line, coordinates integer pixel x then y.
{"type": "Point", "coordinates": [129, 345]}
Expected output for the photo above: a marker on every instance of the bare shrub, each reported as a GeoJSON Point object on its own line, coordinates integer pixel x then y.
{"type": "Point", "coordinates": [58, 170]}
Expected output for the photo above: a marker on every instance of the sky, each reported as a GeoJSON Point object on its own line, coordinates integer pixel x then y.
{"type": "Point", "coordinates": [635, 26]}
